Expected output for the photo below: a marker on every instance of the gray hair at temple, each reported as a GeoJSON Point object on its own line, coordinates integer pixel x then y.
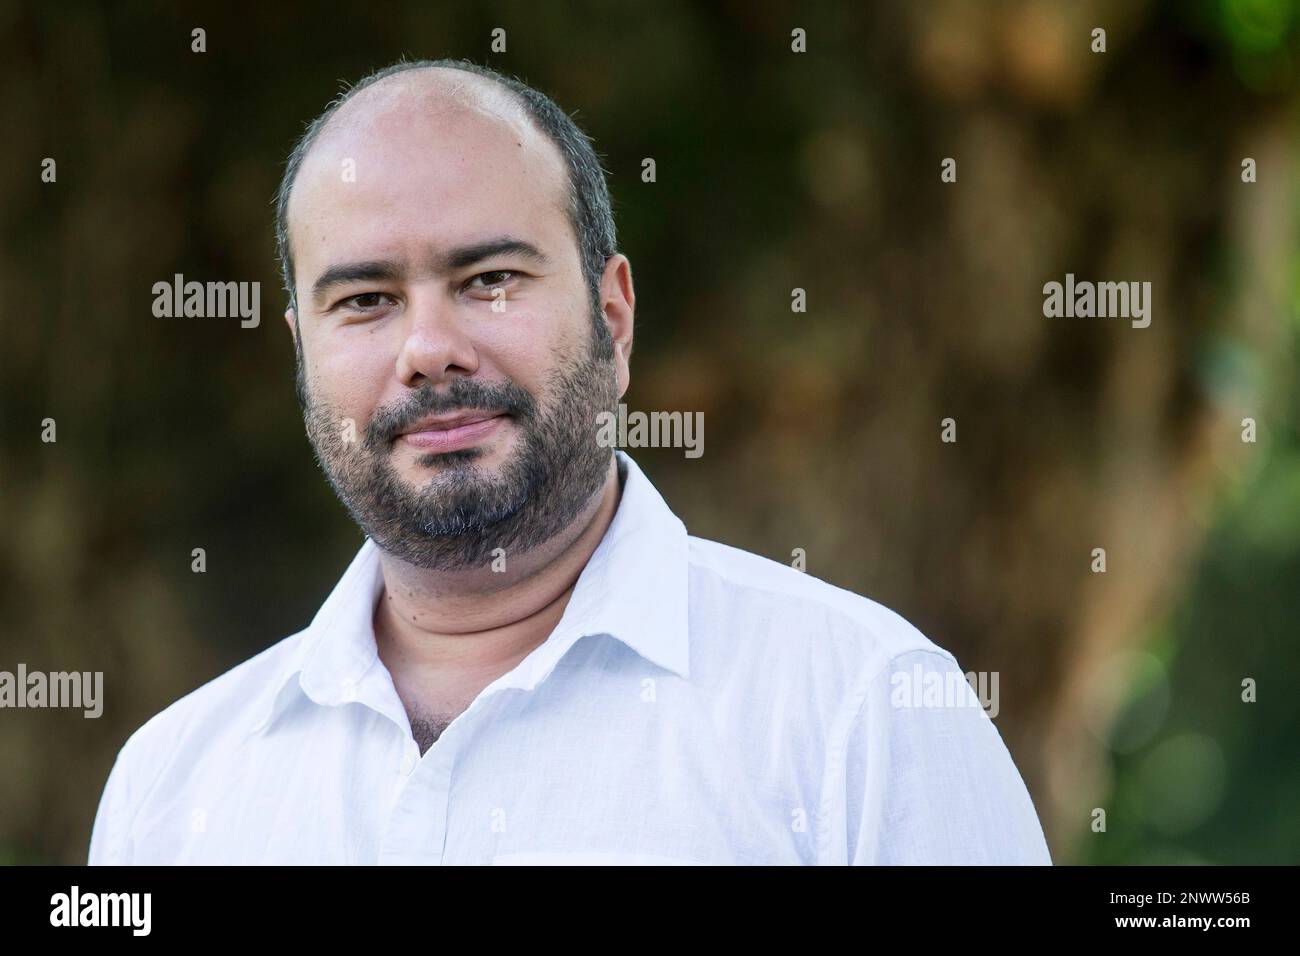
{"type": "Point", "coordinates": [590, 210]}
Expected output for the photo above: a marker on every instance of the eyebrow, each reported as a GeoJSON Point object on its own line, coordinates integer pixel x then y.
{"type": "Point", "coordinates": [453, 260]}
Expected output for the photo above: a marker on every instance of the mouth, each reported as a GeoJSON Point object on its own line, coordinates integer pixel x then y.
{"type": "Point", "coordinates": [452, 432]}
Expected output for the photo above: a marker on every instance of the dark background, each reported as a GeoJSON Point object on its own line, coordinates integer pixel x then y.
{"type": "Point", "coordinates": [775, 170]}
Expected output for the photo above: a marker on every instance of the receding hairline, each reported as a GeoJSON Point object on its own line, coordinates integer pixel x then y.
{"type": "Point", "coordinates": [585, 196]}
{"type": "Point", "coordinates": [444, 88]}
{"type": "Point", "coordinates": [456, 90]}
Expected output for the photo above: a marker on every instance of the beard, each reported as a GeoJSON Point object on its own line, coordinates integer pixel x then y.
{"type": "Point", "coordinates": [459, 517]}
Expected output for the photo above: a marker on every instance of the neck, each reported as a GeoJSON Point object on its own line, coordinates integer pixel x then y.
{"type": "Point", "coordinates": [437, 631]}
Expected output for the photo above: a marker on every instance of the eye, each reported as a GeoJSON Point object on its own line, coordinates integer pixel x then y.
{"type": "Point", "coordinates": [498, 277]}
{"type": "Point", "coordinates": [364, 302]}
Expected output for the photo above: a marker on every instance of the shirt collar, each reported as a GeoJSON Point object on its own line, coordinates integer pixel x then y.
{"type": "Point", "coordinates": [634, 589]}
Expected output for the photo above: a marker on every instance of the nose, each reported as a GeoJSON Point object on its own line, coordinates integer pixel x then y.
{"type": "Point", "coordinates": [437, 345]}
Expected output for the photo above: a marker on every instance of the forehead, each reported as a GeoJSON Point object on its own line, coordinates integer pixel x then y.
{"type": "Point", "coordinates": [425, 161]}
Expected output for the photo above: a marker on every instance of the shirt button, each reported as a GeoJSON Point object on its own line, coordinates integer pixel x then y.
{"type": "Point", "coordinates": [408, 763]}
{"type": "Point", "coordinates": [349, 688]}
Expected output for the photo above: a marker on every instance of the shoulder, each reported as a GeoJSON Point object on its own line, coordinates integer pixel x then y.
{"type": "Point", "coordinates": [782, 608]}
{"type": "Point", "coordinates": [225, 706]}
{"type": "Point", "coordinates": [180, 736]}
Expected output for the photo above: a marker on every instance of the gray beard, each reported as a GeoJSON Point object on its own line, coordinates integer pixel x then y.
{"type": "Point", "coordinates": [459, 519]}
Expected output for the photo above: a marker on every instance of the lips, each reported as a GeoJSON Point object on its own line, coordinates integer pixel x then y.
{"type": "Point", "coordinates": [452, 432]}
{"type": "Point", "coordinates": [446, 422]}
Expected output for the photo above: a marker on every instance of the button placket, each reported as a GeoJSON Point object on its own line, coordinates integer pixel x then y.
{"type": "Point", "coordinates": [417, 825]}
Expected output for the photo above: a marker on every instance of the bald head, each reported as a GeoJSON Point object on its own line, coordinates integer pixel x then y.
{"type": "Point", "coordinates": [425, 140]}
{"type": "Point", "coordinates": [429, 91]}
{"type": "Point", "coordinates": [470, 113]}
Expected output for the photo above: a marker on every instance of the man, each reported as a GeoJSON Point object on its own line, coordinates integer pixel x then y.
{"type": "Point", "coordinates": [529, 660]}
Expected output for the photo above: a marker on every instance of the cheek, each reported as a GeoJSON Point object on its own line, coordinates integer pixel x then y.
{"type": "Point", "coordinates": [528, 365]}
{"type": "Point", "coordinates": [531, 347]}
{"type": "Point", "coordinates": [350, 372]}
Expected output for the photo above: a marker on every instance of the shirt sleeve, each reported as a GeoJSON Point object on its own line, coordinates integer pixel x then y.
{"type": "Point", "coordinates": [929, 779]}
{"type": "Point", "coordinates": [110, 842]}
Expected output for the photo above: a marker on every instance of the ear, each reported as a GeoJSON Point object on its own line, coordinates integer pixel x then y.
{"type": "Point", "coordinates": [291, 320]}
{"type": "Point", "coordinates": [618, 306]}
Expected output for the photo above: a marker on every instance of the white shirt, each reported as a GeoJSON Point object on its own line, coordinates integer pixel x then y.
{"type": "Point", "coordinates": [695, 704]}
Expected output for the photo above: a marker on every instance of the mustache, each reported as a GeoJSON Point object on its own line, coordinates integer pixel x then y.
{"type": "Point", "coordinates": [462, 395]}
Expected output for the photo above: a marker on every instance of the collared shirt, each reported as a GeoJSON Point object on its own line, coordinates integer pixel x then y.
{"type": "Point", "coordinates": [696, 704]}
